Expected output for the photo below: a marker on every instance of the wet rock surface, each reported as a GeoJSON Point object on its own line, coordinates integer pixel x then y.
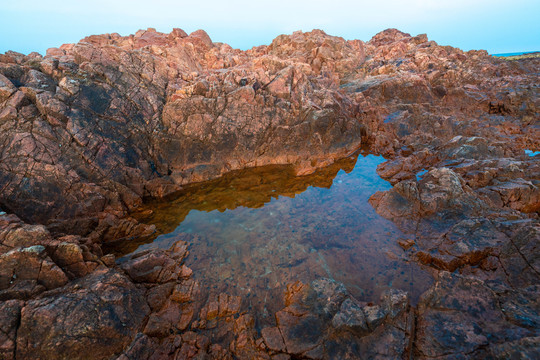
{"type": "Point", "coordinates": [464, 315]}
{"type": "Point", "coordinates": [91, 130]}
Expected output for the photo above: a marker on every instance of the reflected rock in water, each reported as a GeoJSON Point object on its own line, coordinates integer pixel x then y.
{"type": "Point", "coordinates": [251, 188]}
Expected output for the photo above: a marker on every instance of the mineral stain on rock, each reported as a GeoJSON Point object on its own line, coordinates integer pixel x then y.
{"type": "Point", "coordinates": [167, 197]}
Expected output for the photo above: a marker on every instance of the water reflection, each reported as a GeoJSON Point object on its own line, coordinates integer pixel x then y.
{"type": "Point", "coordinates": [252, 232]}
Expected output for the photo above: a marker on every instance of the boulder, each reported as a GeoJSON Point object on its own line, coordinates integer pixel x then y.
{"type": "Point", "coordinates": [101, 312]}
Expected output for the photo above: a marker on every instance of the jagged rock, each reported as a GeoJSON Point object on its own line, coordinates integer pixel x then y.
{"type": "Point", "coordinates": [31, 264]}
{"type": "Point", "coordinates": [351, 316]}
{"type": "Point", "coordinates": [93, 128]}
{"type": "Point", "coordinates": [101, 312]}
{"type": "Point", "coordinates": [158, 266]}
{"type": "Point", "coordinates": [101, 124]}
{"type": "Point", "coordinates": [322, 321]}
{"type": "Point", "coordinates": [273, 339]}
{"type": "Point", "coordinates": [10, 313]}
{"type": "Point", "coordinates": [463, 315]}
{"type": "Point", "coordinates": [14, 233]}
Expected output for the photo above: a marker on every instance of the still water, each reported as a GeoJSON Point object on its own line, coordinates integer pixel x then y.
{"type": "Point", "coordinates": [252, 232]}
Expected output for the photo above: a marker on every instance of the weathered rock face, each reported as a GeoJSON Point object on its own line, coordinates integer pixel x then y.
{"type": "Point", "coordinates": [323, 321]}
{"type": "Point", "coordinates": [9, 322]}
{"type": "Point", "coordinates": [91, 319]}
{"type": "Point", "coordinates": [462, 315]}
{"type": "Point", "coordinates": [463, 190]}
{"type": "Point", "coordinates": [93, 128]}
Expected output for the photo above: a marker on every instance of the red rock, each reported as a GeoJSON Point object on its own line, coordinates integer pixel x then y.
{"type": "Point", "coordinates": [213, 310]}
{"type": "Point", "coordinates": [103, 305]}
{"type": "Point", "coordinates": [228, 305]}
{"type": "Point", "coordinates": [273, 339]}
{"type": "Point", "coordinates": [161, 324]}
{"type": "Point", "coordinates": [281, 357]}
{"type": "Point", "coordinates": [158, 266]}
{"type": "Point", "coordinates": [92, 128]}
{"type": "Point", "coordinates": [187, 315]}
{"type": "Point", "coordinates": [460, 312]}
{"type": "Point", "coordinates": [108, 260]}
{"type": "Point", "coordinates": [158, 60]}
{"type": "Point", "coordinates": [141, 348]}
{"type": "Point", "coordinates": [69, 256]}
{"type": "Point", "coordinates": [183, 292]}
{"type": "Point", "coordinates": [186, 352]}
{"type": "Point", "coordinates": [30, 263]}
{"type": "Point", "coordinates": [157, 295]}
{"type": "Point", "coordinates": [9, 319]}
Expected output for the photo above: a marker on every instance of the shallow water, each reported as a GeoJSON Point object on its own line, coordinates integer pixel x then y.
{"type": "Point", "coordinates": [514, 54]}
{"type": "Point", "coordinates": [254, 231]}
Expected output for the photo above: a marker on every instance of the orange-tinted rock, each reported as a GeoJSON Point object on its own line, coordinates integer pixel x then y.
{"type": "Point", "coordinates": [32, 264]}
{"type": "Point", "coordinates": [192, 121]}
{"type": "Point", "coordinates": [62, 324]}
{"type": "Point", "coordinates": [9, 321]}
{"type": "Point", "coordinates": [273, 339]}
{"type": "Point", "coordinates": [92, 128]}
{"type": "Point", "coordinates": [464, 315]}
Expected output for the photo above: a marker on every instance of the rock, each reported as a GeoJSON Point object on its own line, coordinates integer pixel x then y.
{"type": "Point", "coordinates": [323, 321]}
{"type": "Point", "coordinates": [69, 256]}
{"type": "Point", "coordinates": [375, 315]}
{"type": "Point", "coordinates": [93, 128]}
{"type": "Point", "coordinates": [30, 264]}
{"type": "Point", "coordinates": [273, 339]}
{"type": "Point", "coordinates": [108, 260]}
{"type": "Point", "coordinates": [157, 295]}
{"type": "Point", "coordinates": [163, 323]}
{"type": "Point", "coordinates": [229, 305]}
{"type": "Point", "coordinates": [351, 316]}
{"type": "Point", "coordinates": [101, 311]}
{"type": "Point", "coordinates": [158, 266]}
{"type": "Point", "coordinates": [526, 348]}
{"type": "Point", "coordinates": [142, 347]}
{"type": "Point", "coordinates": [463, 315]}
{"type": "Point", "coordinates": [395, 302]}
{"type": "Point", "coordinates": [300, 333]}
{"type": "Point", "coordinates": [439, 189]}
{"type": "Point", "coordinates": [152, 268]}
{"type": "Point", "coordinates": [10, 313]}
{"type": "Point", "coordinates": [184, 292]}
{"type": "Point", "coordinates": [83, 165]}
{"type": "Point", "coordinates": [14, 233]}
{"type": "Point", "coordinates": [517, 194]}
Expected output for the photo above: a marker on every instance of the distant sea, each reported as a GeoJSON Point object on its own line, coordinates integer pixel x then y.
{"type": "Point", "coordinates": [514, 54]}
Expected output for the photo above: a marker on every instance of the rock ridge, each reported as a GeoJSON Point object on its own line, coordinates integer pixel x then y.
{"type": "Point", "coordinates": [91, 130]}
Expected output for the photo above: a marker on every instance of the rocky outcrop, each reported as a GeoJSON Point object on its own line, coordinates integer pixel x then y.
{"type": "Point", "coordinates": [92, 130]}
{"type": "Point", "coordinates": [464, 315]}
{"type": "Point", "coordinates": [322, 321]}
{"type": "Point", "coordinates": [464, 192]}
{"type": "Point", "coordinates": [100, 312]}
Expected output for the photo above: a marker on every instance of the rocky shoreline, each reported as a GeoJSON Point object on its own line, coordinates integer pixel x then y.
{"type": "Point", "coordinates": [93, 130]}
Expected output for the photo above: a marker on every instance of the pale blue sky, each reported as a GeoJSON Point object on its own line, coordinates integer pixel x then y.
{"type": "Point", "coordinates": [498, 26]}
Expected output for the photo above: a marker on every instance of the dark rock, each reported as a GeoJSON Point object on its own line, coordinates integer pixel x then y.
{"type": "Point", "coordinates": [30, 264]}
{"type": "Point", "coordinates": [101, 312]}
{"type": "Point", "coordinates": [462, 315]}
{"type": "Point", "coordinates": [273, 339]}
{"type": "Point", "coordinates": [10, 317]}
